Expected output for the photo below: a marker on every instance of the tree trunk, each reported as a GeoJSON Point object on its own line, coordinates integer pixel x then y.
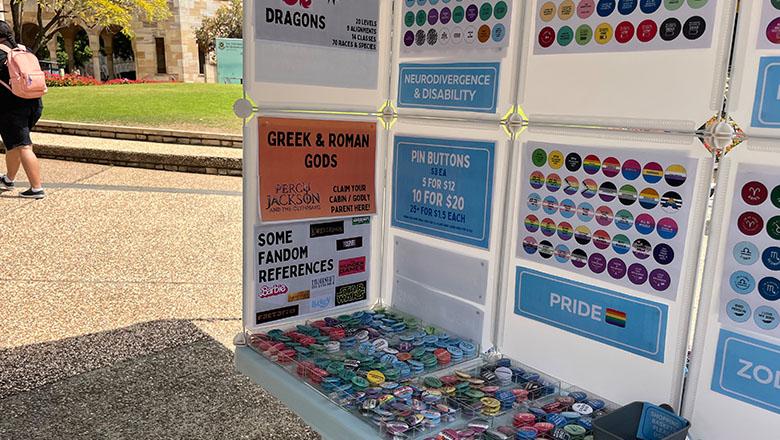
{"type": "Point", "coordinates": [17, 9]}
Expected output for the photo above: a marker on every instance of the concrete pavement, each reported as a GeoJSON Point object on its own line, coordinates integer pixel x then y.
{"type": "Point", "coordinates": [120, 294]}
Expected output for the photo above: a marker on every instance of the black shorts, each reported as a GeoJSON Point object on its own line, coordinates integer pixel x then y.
{"type": "Point", "coordinates": [15, 125]}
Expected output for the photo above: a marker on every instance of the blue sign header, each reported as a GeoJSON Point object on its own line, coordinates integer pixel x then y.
{"type": "Point", "coordinates": [460, 86]}
{"type": "Point", "coordinates": [621, 321]}
{"type": "Point", "coordinates": [444, 188]}
{"type": "Point", "coordinates": [747, 369]}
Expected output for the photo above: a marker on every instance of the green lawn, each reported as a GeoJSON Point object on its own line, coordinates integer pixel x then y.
{"type": "Point", "coordinates": [195, 107]}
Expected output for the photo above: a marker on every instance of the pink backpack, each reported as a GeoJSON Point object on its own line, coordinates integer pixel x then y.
{"type": "Point", "coordinates": [27, 78]}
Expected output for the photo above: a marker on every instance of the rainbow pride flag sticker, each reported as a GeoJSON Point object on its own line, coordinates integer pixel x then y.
{"type": "Point", "coordinates": [616, 318]}
{"type": "Point", "coordinates": [592, 164]}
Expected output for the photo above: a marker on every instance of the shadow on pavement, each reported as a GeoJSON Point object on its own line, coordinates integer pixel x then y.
{"type": "Point", "coordinates": [156, 380]}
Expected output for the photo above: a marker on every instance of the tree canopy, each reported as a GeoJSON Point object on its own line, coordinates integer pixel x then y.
{"type": "Point", "coordinates": [226, 23]}
{"type": "Point", "coordinates": [53, 15]}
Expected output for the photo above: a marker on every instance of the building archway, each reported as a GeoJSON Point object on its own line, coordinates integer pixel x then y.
{"type": "Point", "coordinates": [117, 54]}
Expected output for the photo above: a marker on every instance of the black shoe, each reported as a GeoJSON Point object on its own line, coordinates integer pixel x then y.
{"type": "Point", "coordinates": [30, 194]}
{"type": "Point", "coordinates": [5, 184]}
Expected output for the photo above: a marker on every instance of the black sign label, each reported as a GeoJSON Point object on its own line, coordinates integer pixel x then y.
{"type": "Point", "coordinates": [350, 293]}
{"type": "Point", "coordinates": [326, 229]}
{"type": "Point", "coordinates": [349, 243]}
{"type": "Point", "coordinates": [276, 314]}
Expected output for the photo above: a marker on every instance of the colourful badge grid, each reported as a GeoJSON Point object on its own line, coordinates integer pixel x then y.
{"type": "Point", "coordinates": [603, 213]}
{"type": "Point", "coordinates": [769, 31]}
{"type": "Point", "coordinates": [569, 26]}
{"type": "Point", "coordinates": [750, 289]}
{"type": "Point", "coordinates": [441, 26]}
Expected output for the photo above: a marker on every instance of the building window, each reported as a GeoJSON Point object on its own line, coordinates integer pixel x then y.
{"type": "Point", "coordinates": [201, 60]}
{"type": "Point", "coordinates": [159, 44]}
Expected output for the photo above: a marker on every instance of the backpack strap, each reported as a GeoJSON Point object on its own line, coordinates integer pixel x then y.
{"type": "Point", "coordinates": [5, 48]}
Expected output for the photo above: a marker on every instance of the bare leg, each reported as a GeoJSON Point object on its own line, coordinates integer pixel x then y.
{"type": "Point", "coordinates": [31, 166]}
{"type": "Point", "coordinates": [13, 159]}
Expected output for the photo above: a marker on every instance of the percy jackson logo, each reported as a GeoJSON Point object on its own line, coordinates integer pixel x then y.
{"type": "Point", "coordinates": [293, 197]}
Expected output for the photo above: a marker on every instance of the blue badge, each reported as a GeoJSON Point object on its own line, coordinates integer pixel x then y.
{"type": "Point", "coordinates": [766, 108]}
{"type": "Point", "coordinates": [550, 205]}
{"type": "Point", "coordinates": [625, 322]}
{"type": "Point", "coordinates": [766, 318]}
{"type": "Point", "coordinates": [626, 7]}
{"type": "Point", "coordinates": [746, 370]}
{"type": "Point", "coordinates": [585, 212]}
{"type": "Point", "coordinates": [769, 288]}
{"type": "Point", "coordinates": [738, 310]}
{"type": "Point", "coordinates": [534, 201]}
{"type": "Point", "coordinates": [745, 253]}
{"type": "Point", "coordinates": [742, 282]}
{"type": "Point", "coordinates": [605, 7]}
{"type": "Point", "coordinates": [771, 258]}
{"type": "Point", "coordinates": [649, 6]}
{"type": "Point", "coordinates": [562, 253]}
{"type": "Point", "coordinates": [499, 32]}
{"type": "Point", "coordinates": [567, 208]}
{"type": "Point", "coordinates": [469, 87]}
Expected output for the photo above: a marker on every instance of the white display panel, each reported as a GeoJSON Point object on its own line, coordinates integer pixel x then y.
{"type": "Point", "coordinates": [596, 80]}
{"type": "Point", "coordinates": [467, 75]}
{"type": "Point", "coordinates": [472, 251]}
{"type": "Point", "coordinates": [590, 328]}
{"type": "Point", "coordinates": [296, 294]}
{"type": "Point", "coordinates": [733, 369]}
{"type": "Point", "coordinates": [288, 66]}
{"type": "Point", "coordinates": [752, 99]}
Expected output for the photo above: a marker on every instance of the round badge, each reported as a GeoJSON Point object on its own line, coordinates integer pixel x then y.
{"type": "Point", "coordinates": [433, 16]}
{"type": "Point", "coordinates": [754, 193]}
{"type": "Point", "coordinates": [663, 254]}
{"type": "Point", "coordinates": [626, 7]}
{"type": "Point", "coordinates": [645, 224]}
{"type": "Point", "coordinates": [601, 239]}
{"type": "Point", "coordinates": [485, 11]}
{"type": "Point", "coordinates": [742, 282]}
{"type": "Point", "coordinates": [548, 227]}
{"type": "Point", "coordinates": [582, 235]}
{"type": "Point", "coordinates": [458, 14]}
{"type": "Point", "coordinates": [624, 32]}
{"type": "Point", "coordinates": [641, 248]}
{"type": "Point", "coordinates": [592, 164]}
{"type": "Point", "coordinates": [408, 38]}
{"type": "Point", "coordinates": [589, 188]}
{"type": "Point", "coordinates": [539, 157]}
{"type": "Point", "coordinates": [422, 17]}
{"type": "Point", "coordinates": [546, 249]}
{"type": "Point", "coordinates": [433, 37]}
{"type": "Point", "coordinates": [547, 12]}
{"type": "Point", "coordinates": [572, 185]}
{"type": "Point", "coordinates": [553, 182]}
{"type": "Point", "coordinates": [660, 280]}
{"type": "Point", "coordinates": [484, 33]}
{"type": "Point", "coordinates": [534, 202]}
{"type": "Point", "coordinates": [697, 4]}
{"type": "Point", "coordinates": [627, 195]}
{"type": "Point", "coordinates": [537, 180]}
{"type": "Point", "coordinates": [472, 12]}
{"type": "Point", "coordinates": [776, 4]}
{"type": "Point", "coordinates": [675, 175]}
{"type": "Point", "coordinates": [637, 274]}
{"type": "Point", "coordinates": [597, 263]}
{"type": "Point", "coordinates": [673, 5]}
{"type": "Point", "coordinates": [584, 34]}
{"type": "Point", "coordinates": [653, 172]}
{"type": "Point", "coordinates": [585, 212]}
{"type": "Point", "coordinates": [579, 258]}
{"type": "Point", "coordinates": [773, 227]}
{"type": "Point", "coordinates": [567, 208]}
{"type": "Point", "coordinates": [670, 29]}
{"type": "Point", "coordinates": [750, 223]}
{"type": "Point", "coordinates": [566, 9]}
{"type": "Point", "coordinates": [573, 162]}
{"type": "Point", "coordinates": [562, 253]}
{"type": "Point", "coordinates": [616, 268]}
{"type": "Point", "coordinates": [769, 288]}
{"type": "Point", "coordinates": [766, 318]}
{"type": "Point", "coordinates": [738, 310]}
{"type": "Point", "coordinates": [631, 169]}
{"type": "Point", "coordinates": [646, 31]}
{"type": "Point", "coordinates": [586, 8]}
{"type": "Point", "coordinates": [531, 223]}
{"type": "Point", "coordinates": [530, 246]}
{"type": "Point", "coordinates": [565, 231]}
{"type": "Point", "coordinates": [409, 19]}
{"type": "Point", "coordinates": [775, 196]}
{"type": "Point", "coordinates": [550, 205]}
{"type": "Point", "coordinates": [621, 244]}
{"type": "Point", "coordinates": [499, 32]}
{"type": "Point", "coordinates": [605, 7]}
{"type": "Point", "coordinates": [604, 215]}
{"type": "Point", "coordinates": [649, 6]}
{"type": "Point", "coordinates": [694, 27]}
{"type": "Point", "coordinates": [745, 253]}
{"type": "Point", "coordinates": [610, 167]}
{"type": "Point", "coordinates": [555, 159]}
{"type": "Point", "coordinates": [445, 16]}
{"type": "Point", "coordinates": [500, 10]}
{"type": "Point", "coordinates": [771, 258]}
{"type": "Point", "coordinates": [624, 220]}
{"type": "Point", "coordinates": [667, 228]}
{"type": "Point", "coordinates": [419, 37]}
{"type": "Point", "coordinates": [603, 33]}
{"type": "Point", "coordinates": [607, 191]}
{"type": "Point", "coordinates": [671, 202]}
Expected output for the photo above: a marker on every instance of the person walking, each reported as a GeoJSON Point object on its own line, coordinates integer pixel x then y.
{"type": "Point", "coordinates": [17, 117]}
